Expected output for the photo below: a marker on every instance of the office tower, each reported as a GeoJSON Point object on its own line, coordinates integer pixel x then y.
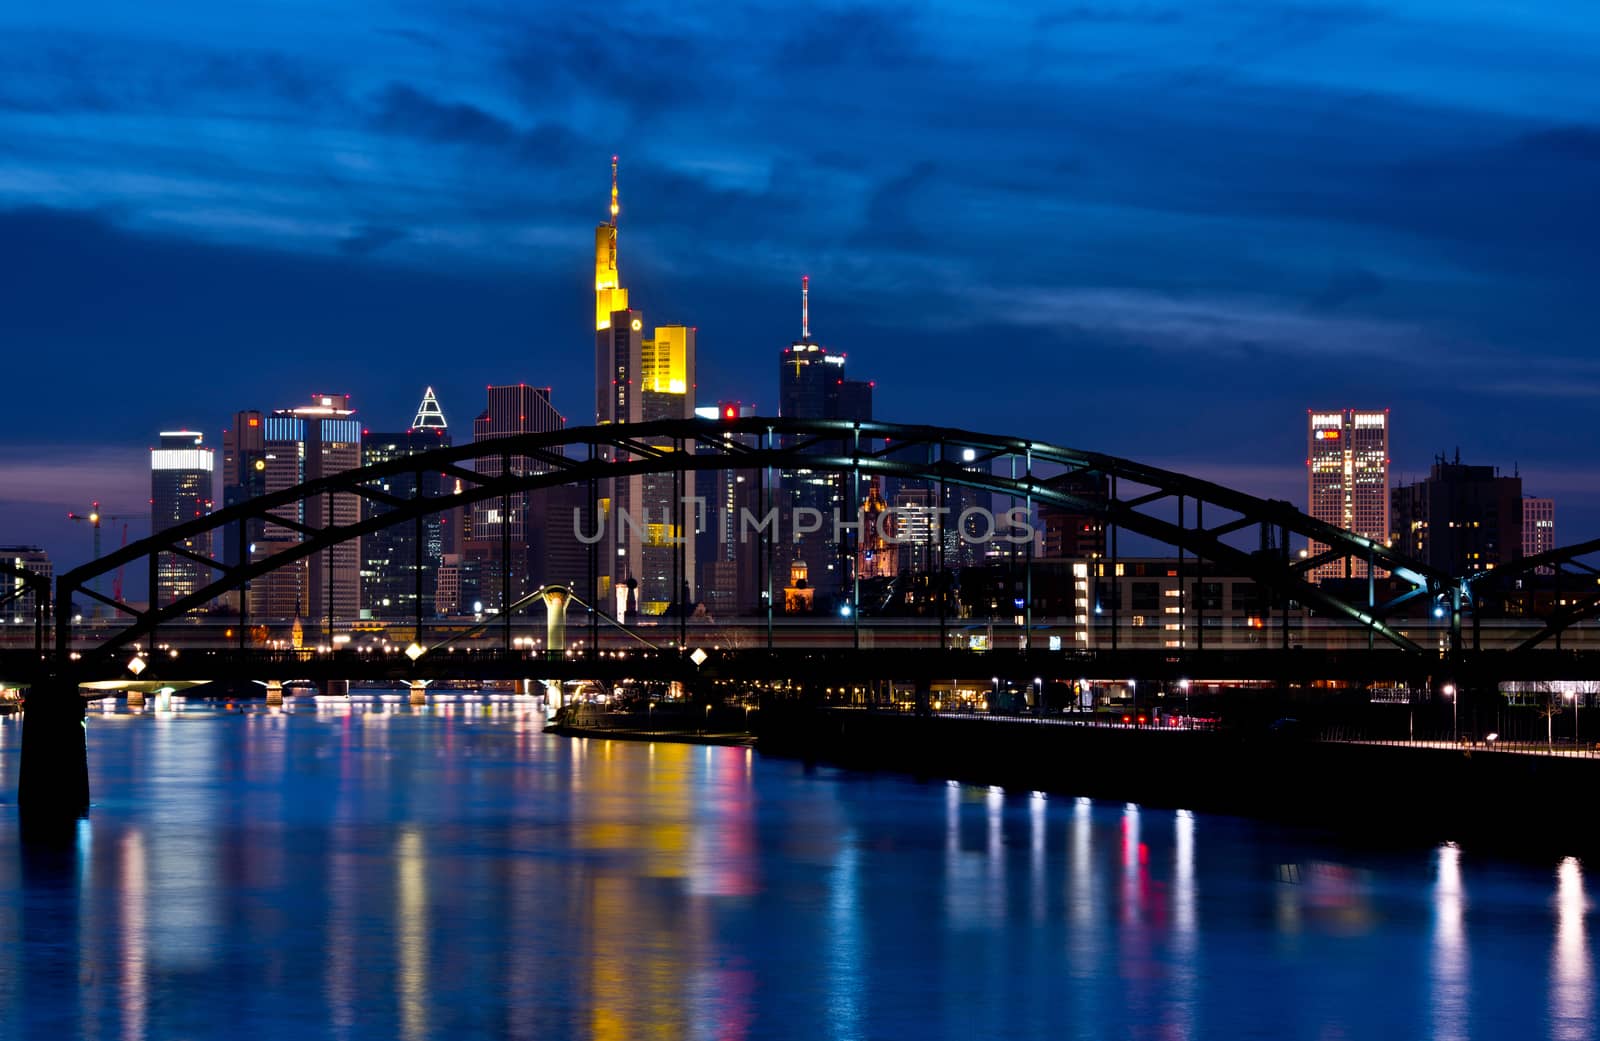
{"type": "Point", "coordinates": [812, 385]}
{"type": "Point", "coordinates": [504, 535]}
{"type": "Point", "coordinates": [732, 568]}
{"type": "Point", "coordinates": [1538, 527]}
{"type": "Point", "coordinates": [916, 526]}
{"type": "Point", "coordinates": [391, 561]}
{"type": "Point", "coordinates": [244, 477]}
{"type": "Point", "coordinates": [302, 444]}
{"type": "Point", "coordinates": [182, 480]}
{"type": "Point", "coordinates": [1347, 481]}
{"type": "Point", "coordinates": [648, 551]}
{"type": "Point", "coordinates": [1075, 533]}
{"type": "Point", "coordinates": [1460, 518]}
{"type": "Point", "coordinates": [20, 609]}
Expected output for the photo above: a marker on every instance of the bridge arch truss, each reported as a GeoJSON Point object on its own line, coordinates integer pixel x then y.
{"type": "Point", "coordinates": [1199, 518]}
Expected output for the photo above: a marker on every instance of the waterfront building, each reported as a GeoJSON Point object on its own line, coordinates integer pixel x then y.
{"type": "Point", "coordinates": [1347, 480]}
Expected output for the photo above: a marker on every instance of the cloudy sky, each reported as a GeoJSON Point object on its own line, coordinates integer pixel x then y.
{"type": "Point", "coordinates": [1159, 229]}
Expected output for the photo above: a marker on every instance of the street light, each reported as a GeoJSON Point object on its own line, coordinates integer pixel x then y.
{"type": "Point", "coordinates": [1449, 691]}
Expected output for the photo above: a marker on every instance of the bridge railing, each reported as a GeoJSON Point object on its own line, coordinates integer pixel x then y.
{"type": "Point", "coordinates": [1045, 634]}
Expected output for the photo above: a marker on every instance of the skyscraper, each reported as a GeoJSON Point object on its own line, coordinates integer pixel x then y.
{"type": "Point", "coordinates": [732, 568]}
{"type": "Point", "coordinates": [244, 476]}
{"type": "Point", "coordinates": [303, 444]}
{"type": "Point", "coordinates": [1538, 526]}
{"type": "Point", "coordinates": [182, 478]}
{"type": "Point", "coordinates": [391, 557]}
{"type": "Point", "coordinates": [1460, 518]}
{"type": "Point", "coordinates": [649, 548]}
{"type": "Point", "coordinates": [503, 535]}
{"type": "Point", "coordinates": [1347, 480]}
{"type": "Point", "coordinates": [812, 385]}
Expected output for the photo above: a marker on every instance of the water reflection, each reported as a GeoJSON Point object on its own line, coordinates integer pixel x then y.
{"type": "Point", "coordinates": [1449, 960]}
{"type": "Point", "coordinates": [1571, 993]}
{"type": "Point", "coordinates": [363, 870]}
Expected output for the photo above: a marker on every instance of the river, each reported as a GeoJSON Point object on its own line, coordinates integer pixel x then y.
{"type": "Point", "coordinates": [363, 870]}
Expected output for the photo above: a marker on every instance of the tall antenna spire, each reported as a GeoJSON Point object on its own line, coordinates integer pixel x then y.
{"type": "Point", "coordinates": [614, 206]}
{"type": "Point", "coordinates": [805, 307]}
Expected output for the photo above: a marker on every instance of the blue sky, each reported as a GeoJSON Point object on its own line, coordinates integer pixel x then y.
{"type": "Point", "coordinates": [1157, 229]}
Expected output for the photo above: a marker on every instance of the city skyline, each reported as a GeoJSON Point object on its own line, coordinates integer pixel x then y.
{"type": "Point", "coordinates": [455, 242]}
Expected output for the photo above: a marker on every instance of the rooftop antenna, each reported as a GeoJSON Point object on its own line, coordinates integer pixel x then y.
{"type": "Point", "coordinates": [614, 207]}
{"type": "Point", "coordinates": [805, 307]}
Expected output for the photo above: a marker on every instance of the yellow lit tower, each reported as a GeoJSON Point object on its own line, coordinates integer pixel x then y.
{"type": "Point", "coordinates": [649, 552]}
{"type": "Point", "coordinates": [609, 295]}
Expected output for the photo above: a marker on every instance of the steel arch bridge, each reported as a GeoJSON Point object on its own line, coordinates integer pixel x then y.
{"type": "Point", "coordinates": [1195, 516]}
{"type": "Point", "coordinates": [1569, 575]}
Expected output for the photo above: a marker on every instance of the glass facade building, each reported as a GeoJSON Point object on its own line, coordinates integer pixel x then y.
{"type": "Point", "coordinates": [182, 482]}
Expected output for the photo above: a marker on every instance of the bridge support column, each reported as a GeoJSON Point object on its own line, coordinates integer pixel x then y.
{"type": "Point", "coordinates": [53, 786]}
{"type": "Point", "coordinates": [274, 693]}
{"type": "Point", "coordinates": [419, 692]}
{"type": "Point", "coordinates": [136, 699]}
{"type": "Point", "coordinates": [555, 620]}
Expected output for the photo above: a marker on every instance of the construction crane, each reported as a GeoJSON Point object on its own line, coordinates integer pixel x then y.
{"type": "Point", "coordinates": [93, 519]}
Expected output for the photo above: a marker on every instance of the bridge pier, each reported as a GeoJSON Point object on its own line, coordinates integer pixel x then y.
{"type": "Point", "coordinates": [274, 693]}
{"type": "Point", "coordinates": [53, 787]}
{"type": "Point", "coordinates": [136, 699]}
{"type": "Point", "coordinates": [419, 692]}
{"type": "Point", "coordinates": [555, 620]}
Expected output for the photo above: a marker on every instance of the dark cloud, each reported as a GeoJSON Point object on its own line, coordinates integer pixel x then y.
{"type": "Point", "coordinates": [402, 109]}
{"type": "Point", "coordinates": [1578, 143]}
{"type": "Point", "coordinates": [562, 58]}
{"type": "Point", "coordinates": [370, 238]}
{"type": "Point", "coordinates": [897, 207]}
{"type": "Point", "coordinates": [882, 39]}
{"type": "Point", "coordinates": [1345, 287]}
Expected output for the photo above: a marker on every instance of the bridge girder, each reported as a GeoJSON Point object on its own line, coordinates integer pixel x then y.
{"type": "Point", "coordinates": [866, 449]}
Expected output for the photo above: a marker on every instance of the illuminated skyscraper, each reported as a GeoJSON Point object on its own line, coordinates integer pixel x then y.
{"type": "Point", "coordinates": [303, 444]}
{"type": "Point", "coordinates": [648, 536]}
{"type": "Point", "coordinates": [732, 569]}
{"type": "Point", "coordinates": [609, 296]}
{"type": "Point", "coordinates": [182, 477]}
{"type": "Point", "coordinates": [1538, 526]}
{"type": "Point", "coordinates": [1347, 480]}
{"type": "Point", "coordinates": [390, 557]}
{"type": "Point", "coordinates": [812, 385]}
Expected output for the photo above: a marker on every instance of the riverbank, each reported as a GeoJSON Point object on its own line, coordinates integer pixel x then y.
{"type": "Point", "coordinates": [1508, 802]}
{"type": "Point", "coordinates": [736, 739]}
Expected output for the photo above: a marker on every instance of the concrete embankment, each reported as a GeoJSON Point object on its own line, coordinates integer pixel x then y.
{"type": "Point", "coordinates": [1515, 803]}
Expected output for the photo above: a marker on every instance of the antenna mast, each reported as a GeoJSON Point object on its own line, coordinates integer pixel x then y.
{"type": "Point", "coordinates": [805, 307]}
